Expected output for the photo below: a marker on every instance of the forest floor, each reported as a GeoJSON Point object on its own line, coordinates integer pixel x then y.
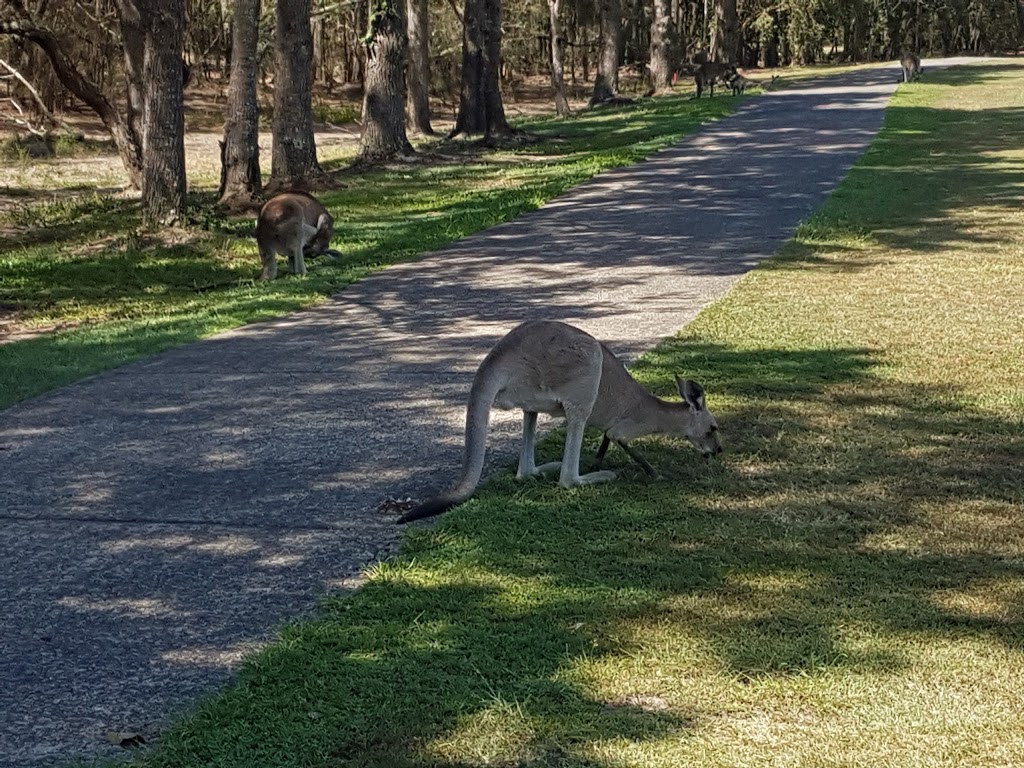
{"type": "Point", "coordinates": [37, 171]}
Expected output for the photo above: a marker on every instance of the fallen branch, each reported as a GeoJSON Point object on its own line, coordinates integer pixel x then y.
{"type": "Point", "coordinates": [23, 121]}
{"type": "Point", "coordinates": [52, 118]}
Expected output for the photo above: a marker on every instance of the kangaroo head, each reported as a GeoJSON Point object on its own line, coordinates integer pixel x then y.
{"type": "Point", "coordinates": [319, 242]}
{"type": "Point", "coordinates": [701, 429]}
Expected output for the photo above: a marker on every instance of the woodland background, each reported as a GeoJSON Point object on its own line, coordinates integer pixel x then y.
{"type": "Point", "coordinates": [129, 61]}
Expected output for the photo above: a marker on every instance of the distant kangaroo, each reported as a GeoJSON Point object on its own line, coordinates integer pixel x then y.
{"type": "Point", "coordinates": [545, 366]}
{"type": "Point", "coordinates": [295, 225]}
{"type": "Point", "coordinates": [709, 73]}
{"type": "Point", "coordinates": [911, 66]}
{"type": "Point", "coordinates": [740, 84]}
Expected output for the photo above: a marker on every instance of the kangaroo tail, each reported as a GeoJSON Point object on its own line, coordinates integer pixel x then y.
{"type": "Point", "coordinates": [429, 508]}
{"type": "Point", "coordinates": [478, 414]}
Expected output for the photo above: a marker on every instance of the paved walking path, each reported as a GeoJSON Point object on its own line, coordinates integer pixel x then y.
{"type": "Point", "coordinates": [159, 520]}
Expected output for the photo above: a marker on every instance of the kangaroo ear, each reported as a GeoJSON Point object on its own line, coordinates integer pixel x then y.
{"type": "Point", "coordinates": [323, 224]}
{"type": "Point", "coordinates": [691, 392]}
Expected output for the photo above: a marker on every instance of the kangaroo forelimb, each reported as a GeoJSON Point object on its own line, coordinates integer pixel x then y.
{"type": "Point", "coordinates": [599, 459]}
{"type": "Point", "coordinates": [603, 450]}
{"type": "Point", "coordinates": [651, 471]}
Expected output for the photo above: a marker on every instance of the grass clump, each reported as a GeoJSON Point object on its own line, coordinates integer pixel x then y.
{"type": "Point", "coordinates": [844, 588]}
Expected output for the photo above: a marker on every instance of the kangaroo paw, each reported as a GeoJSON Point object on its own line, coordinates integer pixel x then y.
{"type": "Point", "coordinates": [591, 478]}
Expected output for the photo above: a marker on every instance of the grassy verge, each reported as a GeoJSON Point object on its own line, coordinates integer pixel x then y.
{"type": "Point", "coordinates": [113, 294]}
{"type": "Point", "coordinates": [845, 588]}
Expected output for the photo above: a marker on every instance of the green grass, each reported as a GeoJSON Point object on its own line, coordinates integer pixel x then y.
{"type": "Point", "coordinates": [844, 588]}
{"type": "Point", "coordinates": [114, 294]}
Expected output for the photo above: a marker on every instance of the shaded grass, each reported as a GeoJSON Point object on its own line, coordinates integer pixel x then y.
{"type": "Point", "coordinates": [845, 588]}
{"type": "Point", "coordinates": [114, 293]}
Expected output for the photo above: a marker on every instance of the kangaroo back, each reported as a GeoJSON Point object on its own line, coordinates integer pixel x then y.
{"type": "Point", "coordinates": [911, 65]}
{"type": "Point", "coordinates": [295, 225]}
{"type": "Point", "coordinates": [540, 367]}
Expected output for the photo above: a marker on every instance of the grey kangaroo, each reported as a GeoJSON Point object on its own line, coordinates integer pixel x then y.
{"type": "Point", "coordinates": [295, 225]}
{"type": "Point", "coordinates": [740, 83]}
{"type": "Point", "coordinates": [710, 72]}
{"type": "Point", "coordinates": [545, 366]}
{"type": "Point", "coordinates": [911, 66]}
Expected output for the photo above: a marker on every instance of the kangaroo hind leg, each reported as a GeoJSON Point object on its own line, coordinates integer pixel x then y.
{"type": "Point", "coordinates": [527, 453]}
{"type": "Point", "coordinates": [575, 425]}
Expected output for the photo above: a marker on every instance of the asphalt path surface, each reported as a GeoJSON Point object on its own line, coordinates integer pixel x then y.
{"type": "Point", "coordinates": [160, 520]}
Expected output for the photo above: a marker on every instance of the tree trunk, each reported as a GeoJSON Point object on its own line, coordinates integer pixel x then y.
{"type": "Point", "coordinates": [133, 38]}
{"type": "Point", "coordinates": [293, 156]}
{"type": "Point", "coordinates": [661, 46]}
{"type": "Point", "coordinates": [16, 21]}
{"type": "Point", "coordinates": [240, 151]}
{"type": "Point", "coordinates": [557, 56]}
{"type": "Point", "coordinates": [725, 43]}
{"type": "Point", "coordinates": [153, 41]}
{"type": "Point", "coordinates": [480, 107]}
{"type": "Point", "coordinates": [417, 76]}
{"type": "Point", "coordinates": [606, 84]}
{"type": "Point", "coordinates": [383, 136]}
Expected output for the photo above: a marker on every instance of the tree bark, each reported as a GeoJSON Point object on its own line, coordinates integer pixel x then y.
{"type": "Point", "coordinates": [293, 155]}
{"type": "Point", "coordinates": [133, 38]}
{"type": "Point", "coordinates": [480, 107]}
{"type": "Point", "coordinates": [557, 56]}
{"type": "Point", "coordinates": [725, 40]}
{"type": "Point", "coordinates": [153, 46]}
{"type": "Point", "coordinates": [383, 136]}
{"type": "Point", "coordinates": [661, 46]}
{"type": "Point", "coordinates": [606, 84]}
{"type": "Point", "coordinates": [417, 76]}
{"type": "Point", "coordinates": [15, 20]}
{"type": "Point", "coordinates": [240, 151]}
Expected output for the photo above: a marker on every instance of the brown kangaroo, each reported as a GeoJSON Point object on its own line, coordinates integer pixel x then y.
{"type": "Point", "coordinates": [295, 225]}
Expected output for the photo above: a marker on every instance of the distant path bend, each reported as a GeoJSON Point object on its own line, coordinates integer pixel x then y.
{"type": "Point", "coordinates": [160, 519]}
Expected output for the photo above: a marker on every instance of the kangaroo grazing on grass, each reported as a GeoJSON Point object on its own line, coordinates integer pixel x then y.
{"type": "Point", "coordinates": [911, 65]}
{"type": "Point", "coordinates": [545, 366]}
{"type": "Point", "coordinates": [295, 225]}
{"type": "Point", "coordinates": [710, 72]}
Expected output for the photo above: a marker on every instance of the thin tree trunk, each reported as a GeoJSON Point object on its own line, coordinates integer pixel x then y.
{"type": "Point", "coordinates": [41, 105]}
{"type": "Point", "coordinates": [133, 38]}
{"type": "Point", "coordinates": [606, 84]}
{"type": "Point", "coordinates": [383, 136]}
{"type": "Point", "coordinates": [240, 151]}
{"type": "Point", "coordinates": [557, 55]}
{"type": "Point", "coordinates": [417, 76]}
{"type": "Point", "coordinates": [293, 155]}
{"type": "Point", "coordinates": [661, 46]}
